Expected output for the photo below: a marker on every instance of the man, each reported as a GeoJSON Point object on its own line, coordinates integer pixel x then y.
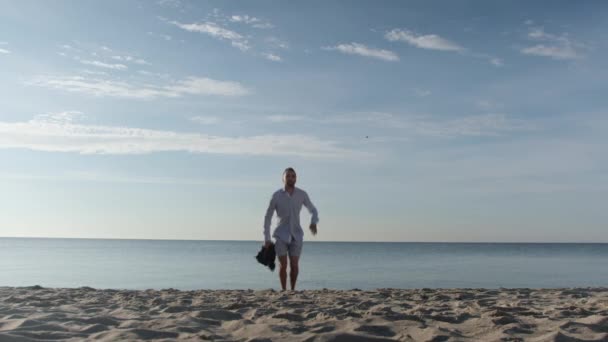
{"type": "Point", "coordinates": [287, 202]}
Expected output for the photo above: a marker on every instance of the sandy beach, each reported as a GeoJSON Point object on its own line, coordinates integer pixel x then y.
{"type": "Point", "coordinates": [36, 313]}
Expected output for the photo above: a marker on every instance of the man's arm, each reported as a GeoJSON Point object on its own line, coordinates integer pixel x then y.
{"type": "Point", "coordinates": [268, 219]}
{"type": "Point", "coordinates": [314, 213]}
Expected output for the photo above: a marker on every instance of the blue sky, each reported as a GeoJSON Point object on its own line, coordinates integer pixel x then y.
{"type": "Point", "coordinates": [406, 121]}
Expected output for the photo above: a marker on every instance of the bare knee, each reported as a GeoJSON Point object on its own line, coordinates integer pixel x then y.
{"type": "Point", "coordinates": [283, 266]}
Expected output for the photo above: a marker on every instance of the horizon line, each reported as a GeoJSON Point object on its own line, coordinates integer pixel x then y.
{"type": "Point", "coordinates": [313, 241]}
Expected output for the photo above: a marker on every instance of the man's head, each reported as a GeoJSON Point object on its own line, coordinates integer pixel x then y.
{"type": "Point", "coordinates": [289, 177]}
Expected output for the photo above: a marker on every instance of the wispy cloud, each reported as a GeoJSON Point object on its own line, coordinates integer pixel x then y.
{"type": "Point", "coordinates": [170, 3]}
{"type": "Point", "coordinates": [205, 120]}
{"type": "Point", "coordinates": [272, 57]}
{"type": "Point", "coordinates": [131, 59]}
{"type": "Point", "coordinates": [252, 21]}
{"type": "Point", "coordinates": [435, 42]}
{"type": "Point", "coordinates": [105, 65]}
{"type": "Point", "coordinates": [59, 133]}
{"type": "Point", "coordinates": [555, 52]}
{"type": "Point", "coordinates": [96, 176]}
{"type": "Point", "coordinates": [60, 117]}
{"type": "Point", "coordinates": [154, 74]}
{"type": "Point", "coordinates": [472, 125]}
{"type": "Point", "coordinates": [102, 56]}
{"type": "Point", "coordinates": [161, 35]}
{"type": "Point", "coordinates": [216, 31]}
{"type": "Point", "coordinates": [70, 48]}
{"type": "Point", "coordinates": [94, 72]}
{"type": "Point", "coordinates": [553, 46]}
{"type": "Point", "coordinates": [276, 43]}
{"type": "Point", "coordinates": [426, 41]}
{"type": "Point", "coordinates": [495, 124]}
{"type": "Point", "coordinates": [4, 51]}
{"type": "Point", "coordinates": [421, 92]}
{"type": "Point", "coordinates": [365, 51]}
{"type": "Point", "coordinates": [110, 88]}
{"type": "Point", "coordinates": [496, 61]}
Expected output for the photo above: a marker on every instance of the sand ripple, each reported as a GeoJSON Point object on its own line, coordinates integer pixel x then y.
{"type": "Point", "coordinates": [37, 314]}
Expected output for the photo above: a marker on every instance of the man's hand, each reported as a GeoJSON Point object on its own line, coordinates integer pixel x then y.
{"type": "Point", "coordinates": [267, 244]}
{"type": "Point", "coordinates": [313, 229]}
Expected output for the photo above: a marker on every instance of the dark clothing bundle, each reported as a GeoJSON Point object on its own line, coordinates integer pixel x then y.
{"type": "Point", "coordinates": [266, 256]}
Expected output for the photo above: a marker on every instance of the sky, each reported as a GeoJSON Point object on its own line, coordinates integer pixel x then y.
{"type": "Point", "coordinates": [405, 120]}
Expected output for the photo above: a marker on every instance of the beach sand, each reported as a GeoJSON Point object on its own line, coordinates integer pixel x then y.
{"type": "Point", "coordinates": [35, 313]}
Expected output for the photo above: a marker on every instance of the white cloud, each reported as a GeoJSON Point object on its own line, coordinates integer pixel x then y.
{"type": "Point", "coordinates": [4, 51]}
{"type": "Point", "coordinates": [206, 120]}
{"type": "Point", "coordinates": [552, 46]}
{"type": "Point", "coordinates": [104, 65]}
{"type": "Point", "coordinates": [495, 124]}
{"type": "Point", "coordinates": [60, 117]}
{"type": "Point", "coordinates": [555, 52]}
{"type": "Point", "coordinates": [207, 86]}
{"type": "Point", "coordinates": [68, 47]}
{"type": "Point", "coordinates": [154, 74]}
{"type": "Point", "coordinates": [272, 57]}
{"type": "Point", "coordinates": [421, 92]}
{"type": "Point", "coordinates": [170, 3]}
{"type": "Point", "coordinates": [276, 43]}
{"type": "Point", "coordinates": [44, 134]}
{"type": "Point", "coordinates": [496, 61]}
{"type": "Point", "coordinates": [427, 41]}
{"type": "Point", "coordinates": [362, 50]}
{"type": "Point", "coordinates": [263, 26]}
{"type": "Point", "coordinates": [253, 21]}
{"type": "Point", "coordinates": [94, 72]}
{"type": "Point", "coordinates": [109, 88]}
{"type": "Point", "coordinates": [241, 45]}
{"type": "Point", "coordinates": [216, 31]}
{"type": "Point", "coordinates": [435, 42]}
{"type": "Point", "coordinates": [211, 29]}
{"type": "Point", "coordinates": [473, 125]}
{"type": "Point", "coordinates": [131, 59]}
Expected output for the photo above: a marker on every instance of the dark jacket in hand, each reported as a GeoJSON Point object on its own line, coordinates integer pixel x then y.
{"type": "Point", "coordinates": [266, 256]}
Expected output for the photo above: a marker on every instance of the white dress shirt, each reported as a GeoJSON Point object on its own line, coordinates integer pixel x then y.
{"type": "Point", "coordinates": [288, 207]}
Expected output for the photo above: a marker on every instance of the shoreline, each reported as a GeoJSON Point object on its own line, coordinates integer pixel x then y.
{"type": "Point", "coordinates": [322, 241]}
{"type": "Point", "coordinates": [557, 314]}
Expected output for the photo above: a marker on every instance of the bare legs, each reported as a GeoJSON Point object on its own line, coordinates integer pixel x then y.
{"type": "Point", "coordinates": [293, 271]}
{"type": "Point", "coordinates": [283, 271]}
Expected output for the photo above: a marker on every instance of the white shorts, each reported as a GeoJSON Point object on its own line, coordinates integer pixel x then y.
{"type": "Point", "coordinates": [282, 248]}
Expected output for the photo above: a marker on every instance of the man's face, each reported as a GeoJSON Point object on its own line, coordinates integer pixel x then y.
{"type": "Point", "coordinates": [290, 178]}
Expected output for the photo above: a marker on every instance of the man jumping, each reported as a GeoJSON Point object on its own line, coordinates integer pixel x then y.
{"type": "Point", "coordinates": [288, 234]}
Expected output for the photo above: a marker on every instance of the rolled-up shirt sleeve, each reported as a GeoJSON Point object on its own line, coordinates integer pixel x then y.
{"type": "Point", "coordinates": [311, 209]}
{"type": "Point", "coordinates": [268, 218]}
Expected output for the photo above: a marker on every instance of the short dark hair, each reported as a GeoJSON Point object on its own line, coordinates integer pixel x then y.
{"type": "Point", "coordinates": [289, 169]}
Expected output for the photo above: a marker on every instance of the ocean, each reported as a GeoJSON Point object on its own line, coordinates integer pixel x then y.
{"type": "Point", "coordinates": [187, 265]}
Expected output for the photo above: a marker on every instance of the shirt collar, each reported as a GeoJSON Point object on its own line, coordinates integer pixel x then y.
{"type": "Point", "coordinates": [285, 191]}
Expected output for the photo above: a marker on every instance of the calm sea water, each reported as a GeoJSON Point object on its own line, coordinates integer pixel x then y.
{"type": "Point", "coordinates": [143, 264]}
